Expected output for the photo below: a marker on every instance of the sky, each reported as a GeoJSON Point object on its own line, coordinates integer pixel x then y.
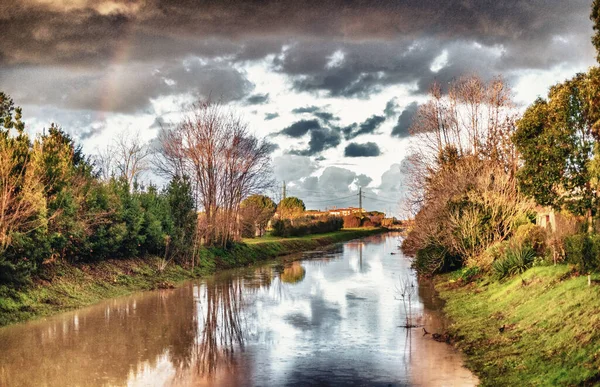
{"type": "Point", "coordinates": [332, 84]}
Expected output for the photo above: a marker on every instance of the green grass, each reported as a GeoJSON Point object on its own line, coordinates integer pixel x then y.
{"type": "Point", "coordinates": [552, 334]}
{"type": "Point", "coordinates": [334, 234]}
{"type": "Point", "coordinates": [61, 286]}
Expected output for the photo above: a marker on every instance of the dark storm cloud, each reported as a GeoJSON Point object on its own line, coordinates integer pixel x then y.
{"type": "Point", "coordinates": [271, 116]}
{"type": "Point", "coordinates": [66, 31]}
{"type": "Point", "coordinates": [326, 116]}
{"type": "Point", "coordinates": [272, 147]}
{"type": "Point", "coordinates": [401, 129]}
{"type": "Point", "coordinates": [257, 99]}
{"type": "Point", "coordinates": [124, 88]}
{"type": "Point", "coordinates": [323, 135]}
{"type": "Point", "coordinates": [390, 108]}
{"type": "Point", "coordinates": [369, 149]}
{"type": "Point", "coordinates": [369, 126]}
{"type": "Point", "coordinates": [318, 112]}
{"type": "Point", "coordinates": [320, 139]}
{"type": "Point", "coordinates": [381, 43]}
{"type": "Point", "coordinates": [306, 109]}
{"type": "Point", "coordinates": [300, 128]}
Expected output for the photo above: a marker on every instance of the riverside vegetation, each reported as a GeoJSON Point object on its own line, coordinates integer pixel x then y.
{"type": "Point", "coordinates": [523, 300]}
{"type": "Point", "coordinates": [75, 229]}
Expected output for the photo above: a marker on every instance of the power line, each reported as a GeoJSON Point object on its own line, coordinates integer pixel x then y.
{"type": "Point", "coordinates": [332, 199]}
{"type": "Point", "coordinates": [381, 200]}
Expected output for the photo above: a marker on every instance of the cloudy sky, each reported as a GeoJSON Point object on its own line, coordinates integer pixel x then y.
{"type": "Point", "coordinates": [333, 83]}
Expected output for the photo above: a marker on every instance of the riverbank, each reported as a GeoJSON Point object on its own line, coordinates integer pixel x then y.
{"type": "Point", "coordinates": [551, 333]}
{"type": "Point", "coordinates": [61, 286]}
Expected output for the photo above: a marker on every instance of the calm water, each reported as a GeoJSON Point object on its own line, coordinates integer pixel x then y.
{"type": "Point", "coordinates": [331, 318]}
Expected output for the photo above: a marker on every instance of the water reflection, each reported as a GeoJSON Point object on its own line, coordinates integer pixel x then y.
{"type": "Point", "coordinates": [222, 331]}
{"type": "Point", "coordinates": [293, 273]}
{"type": "Point", "coordinates": [329, 317]}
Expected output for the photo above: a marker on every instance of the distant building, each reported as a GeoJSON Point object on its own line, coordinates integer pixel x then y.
{"type": "Point", "coordinates": [344, 211]}
{"type": "Point", "coordinates": [315, 213]}
{"type": "Point", "coordinates": [546, 218]}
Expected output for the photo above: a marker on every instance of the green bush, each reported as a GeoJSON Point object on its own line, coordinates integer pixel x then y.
{"type": "Point", "coordinates": [583, 251]}
{"type": "Point", "coordinates": [517, 259]}
{"type": "Point", "coordinates": [434, 259]}
{"type": "Point", "coordinates": [533, 236]}
{"type": "Point", "coordinates": [306, 226]}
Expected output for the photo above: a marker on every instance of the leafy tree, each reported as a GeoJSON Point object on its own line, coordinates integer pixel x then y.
{"type": "Point", "coordinates": [290, 208]}
{"type": "Point", "coordinates": [256, 212]}
{"type": "Point", "coordinates": [595, 16]}
{"type": "Point", "coordinates": [556, 142]}
{"type": "Point", "coordinates": [182, 209]}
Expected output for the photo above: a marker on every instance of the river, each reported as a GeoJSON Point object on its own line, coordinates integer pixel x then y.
{"type": "Point", "coordinates": [323, 318]}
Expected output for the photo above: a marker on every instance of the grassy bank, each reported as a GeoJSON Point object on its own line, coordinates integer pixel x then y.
{"type": "Point", "coordinates": [61, 286]}
{"type": "Point", "coordinates": [552, 327]}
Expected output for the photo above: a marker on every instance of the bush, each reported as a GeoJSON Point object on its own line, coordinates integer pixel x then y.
{"type": "Point", "coordinates": [583, 251]}
{"type": "Point", "coordinates": [351, 221]}
{"type": "Point", "coordinates": [517, 259]}
{"type": "Point", "coordinates": [434, 259]}
{"type": "Point", "coordinates": [533, 236]}
{"type": "Point", "coordinates": [306, 226]}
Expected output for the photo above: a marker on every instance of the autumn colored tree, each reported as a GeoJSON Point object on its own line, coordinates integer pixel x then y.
{"type": "Point", "coordinates": [224, 160]}
{"type": "Point", "coordinates": [256, 211]}
{"type": "Point", "coordinates": [290, 208]}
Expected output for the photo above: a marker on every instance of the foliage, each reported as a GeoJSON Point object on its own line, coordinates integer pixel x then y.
{"type": "Point", "coordinates": [351, 221]}
{"type": "Point", "coordinates": [290, 208]}
{"type": "Point", "coordinates": [225, 162]}
{"type": "Point", "coordinates": [532, 236]}
{"type": "Point", "coordinates": [595, 17]}
{"type": "Point", "coordinates": [583, 251]}
{"type": "Point", "coordinates": [53, 207]}
{"type": "Point", "coordinates": [517, 259]}
{"type": "Point", "coordinates": [181, 226]}
{"type": "Point", "coordinates": [306, 226]}
{"type": "Point", "coordinates": [256, 212]}
{"type": "Point", "coordinates": [434, 259]}
{"type": "Point", "coordinates": [556, 142]}
{"type": "Point", "coordinates": [470, 205]}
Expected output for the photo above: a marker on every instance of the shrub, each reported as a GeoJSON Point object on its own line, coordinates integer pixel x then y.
{"type": "Point", "coordinates": [351, 221]}
{"type": "Point", "coordinates": [306, 226]}
{"type": "Point", "coordinates": [517, 259]}
{"type": "Point", "coordinates": [434, 259]}
{"type": "Point", "coordinates": [533, 236]}
{"type": "Point", "coordinates": [469, 205]}
{"type": "Point", "coordinates": [583, 251]}
{"type": "Point", "coordinates": [368, 223]}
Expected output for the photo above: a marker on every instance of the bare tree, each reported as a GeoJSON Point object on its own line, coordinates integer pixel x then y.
{"type": "Point", "coordinates": [126, 157]}
{"type": "Point", "coordinates": [472, 118]}
{"type": "Point", "coordinates": [226, 163]}
{"type": "Point", "coordinates": [131, 156]}
{"type": "Point", "coordinates": [104, 161]}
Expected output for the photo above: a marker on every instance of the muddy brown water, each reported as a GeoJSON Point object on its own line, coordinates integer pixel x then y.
{"type": "Point", "coordinates": [331, 318]}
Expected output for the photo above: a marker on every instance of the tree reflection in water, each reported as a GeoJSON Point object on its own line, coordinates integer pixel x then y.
{"type": "Point", "coordinates": [221, 306]}
{"type": "Point", "coordinates": [293, 273]}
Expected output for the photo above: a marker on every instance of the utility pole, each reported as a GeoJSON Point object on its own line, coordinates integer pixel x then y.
{"type": "Point", "coordinates": [360, 200]}
{"type": "Point", "coordinates": [283, 191]}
